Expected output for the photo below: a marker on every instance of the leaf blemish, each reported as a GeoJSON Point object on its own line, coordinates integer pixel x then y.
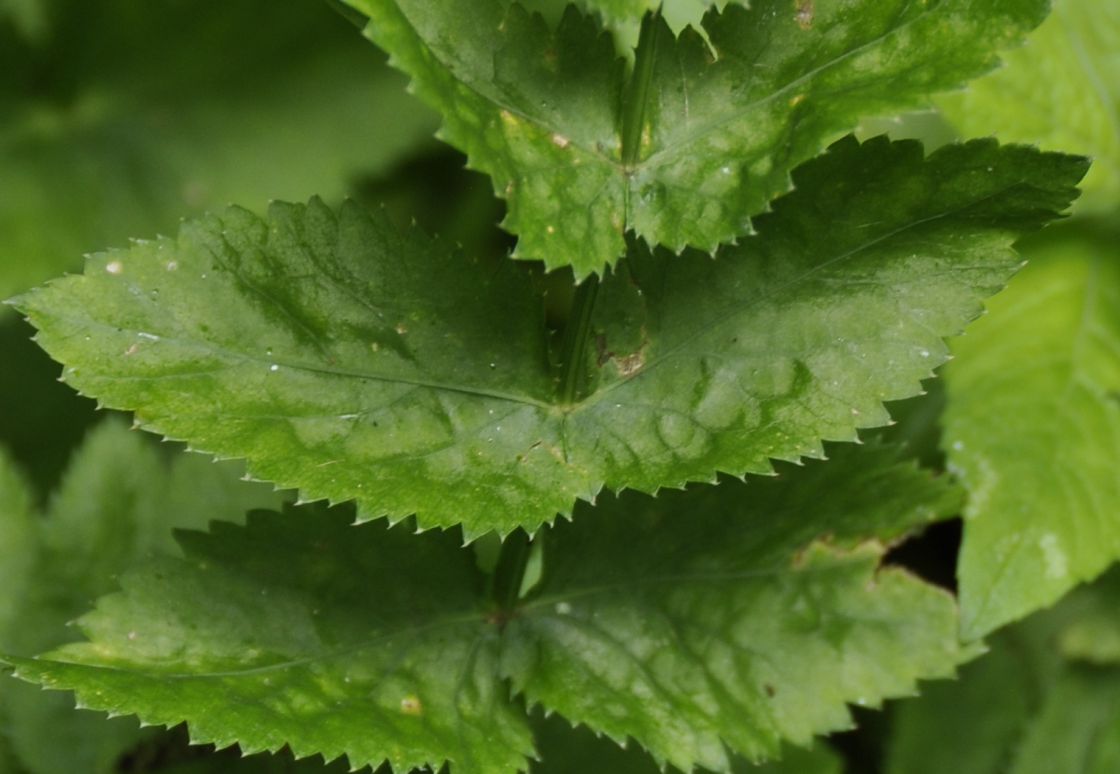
{"type": "Point", "coordinates": [804, 14]}
{"type": "Point", "coordinates": [632, 363]}
{"type": "Point", "coordinates": [626, 365]}
{"type": "Point", "coordinates": [410, 705]}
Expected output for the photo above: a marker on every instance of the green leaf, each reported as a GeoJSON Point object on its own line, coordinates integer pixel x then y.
{"type": "Point", "coordinates": [1032, 427]}
{"type": "Point", "coordinates": [232, 762]}
{"type": "Point", "coordinates": [1078, 729]}
{"type": "Point", "coordinates": [355, 361]}
{"type": "Point", "coordinates": [702, 135]}
{"type": "Point", "coordinates": [563, 749]}
{"type": "Point", "coordinates": [971, 726]}
{"type": "Point", "coordinates": [1094, 635]}
{"type": "Point", "coordinates": [17, 535]}
{"type": "Point", "coordinates": [28, 16]}
{"type": "Point", "coordinates": [117, 126]}
{"type": "Point", "coordinates": [624, 17]}
{"type": "Point", "coordinates": [1061, 90]}
{"type": "Point", "coordinates": [1021, 709]}
{"type": "Point", "coordinates": [711, 624]}
{"type": "Point", "coordinates": [117, 504]}
{"type": "Point", "coordinates": [269, 635]}
{"type": "Point", "coordinates": [709, 638]}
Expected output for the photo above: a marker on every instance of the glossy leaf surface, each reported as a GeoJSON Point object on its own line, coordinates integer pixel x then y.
{"type": "Point", "coordinates": [269, 634]}
{"type": "Point", "coordinates": [704, 132]}
{"type": "Point", "coordinates": [356, 361]}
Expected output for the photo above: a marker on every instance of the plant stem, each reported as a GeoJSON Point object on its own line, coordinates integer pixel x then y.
{"type": "Point", "coordinates": [577, 334]}
{"type": "Point", "coordinates": [510, 570]}
{"type": "Point", "coordinates": [637, 90]}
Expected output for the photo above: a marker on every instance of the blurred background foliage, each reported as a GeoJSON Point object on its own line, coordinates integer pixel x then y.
{"type": "Point", "coordinates": [118, 118]}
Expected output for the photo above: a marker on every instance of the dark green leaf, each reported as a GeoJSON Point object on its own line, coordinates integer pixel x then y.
{"type": "Point", "coordinates": [132, 115]}
{"type": "Point", "coordinates": [686, 150]}
{"type": "Point", "coordinates": [1023, 708]}
{"type": "Point", "coordinates": [356, 361]}
{"type": "Point", "coordinates": [116, 505]}
{"type": "Point", "coordinates": [1061, 90]}
{"type": "Point", "coordinates": [716, 621]}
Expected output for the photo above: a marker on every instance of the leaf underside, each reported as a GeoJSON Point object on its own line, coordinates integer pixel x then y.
{"type": "Point", "coordinates": [717, 626]}
{"type": "Point", "coordinates": [723, 118]}
{"type": "Point", "coordinates": [1032, 427]}
{"type": "Point", "coordinates": [356, 361]}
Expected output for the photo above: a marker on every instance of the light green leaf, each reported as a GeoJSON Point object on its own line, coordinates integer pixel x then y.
{"type": "Point", "coordinates": [134, 128]}
{"type": "Point", "coordinates": [1032, 427]}
{"type": "Point", "coordinates": [355, 361]}
{"type": "Point", "coordinates": [117, 504]}
{"type": "Point", "coordinates": [717, 620]}
{"type": "Point", "coordinates": [703, 134]}
{"type": "Point", "coordinates": [1061, 90]}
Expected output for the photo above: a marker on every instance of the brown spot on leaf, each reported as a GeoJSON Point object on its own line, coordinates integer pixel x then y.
{"type": "Point", "coordinates": [632, 363]}
{"type": "Point", "coordinates": [626, 365]}
{"type": "Point", "coordinates": [804, 13]}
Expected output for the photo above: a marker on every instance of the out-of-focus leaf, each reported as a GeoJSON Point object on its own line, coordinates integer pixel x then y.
{"type": "Point", "coordinates": [1060, 90]}
{"type": "Point", "coordinates": [1032, 427]}
{"type": "Point", "coordinates": [564, 749]}
{"type": "Point", "coordinates": [131, 115]}
{"type": "Point", "coordinates": [1024, 708]}
{"type": "Point", "coordinates": [28, 17]}
{"type": "Point", "coordinates": [42, 420]}
{"type": "Point", "coordinates": [117, 505]}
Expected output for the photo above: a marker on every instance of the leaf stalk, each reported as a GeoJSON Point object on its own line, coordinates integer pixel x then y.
{"type": "Point", "coordinates": [577, 334]}
{"type": "Point", "coordinates": [637, 91]}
